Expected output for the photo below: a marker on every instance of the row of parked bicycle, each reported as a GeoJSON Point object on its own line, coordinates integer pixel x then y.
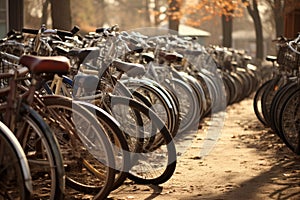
{"type": "Point", "coordinates": [277, 101]}
{"type": "Point", "coordinates": [80, 114]}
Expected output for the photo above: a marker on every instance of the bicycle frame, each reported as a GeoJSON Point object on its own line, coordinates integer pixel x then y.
{"type": "Point", "coordinates": [57, 82]}
{"type": "Point", "coordinates": [14, 99]}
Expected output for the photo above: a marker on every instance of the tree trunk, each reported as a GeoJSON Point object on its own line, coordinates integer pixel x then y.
{"type": "Point", "coordinates": [45, 12]}
{"type": "Point", "coordinates": [61, 14]}
{"type": "Point", "coordinates": [278, 17]}
{"type": "Point", "coordinates": [174, 19]}
{"type": "Point", "coordinates": [16, 14]}
{"type": "Point", "coordinates": [227, 30]}
{"type": "Point", "coordinates": [101, 13]}
{"type": "Point", "coordinates": [259, 37]}
{"type": "Point", "coordinates": [156, 13]}
{"type": "Point", "coordinates": [254, 13]}
{"type": "Point", "coordinates": [147, 13]}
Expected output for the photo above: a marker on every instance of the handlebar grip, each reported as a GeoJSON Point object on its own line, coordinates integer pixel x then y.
{"type": "Point", "coordinates": [11, 33]}
{"type": "Point", "coordinates": [64, 33]}
{"type": "Point", "coordinates": [100, 30]}
{"type": "Point", "coordinates": [115, 27]}
{"type": "Point", "coordinates": [75, 30]}
{"type": "Point", "coordinates": [30, 31]}
{"type": "Point", "coordinates": [110, 29]}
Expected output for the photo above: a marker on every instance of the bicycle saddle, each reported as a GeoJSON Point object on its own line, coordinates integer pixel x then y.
{"type": "Point", "coordinates": [84, 53]}
{"type": "Point", "coordinates": [131, 69]}
{"type": "Point", "coordinates": [46, 64]}
{"type": "Point", "coordinates": [148, 57]}
{"type": "Point", "coordinates": [271, 58]}
{"type": "Point", "coordinates": [171, 56]}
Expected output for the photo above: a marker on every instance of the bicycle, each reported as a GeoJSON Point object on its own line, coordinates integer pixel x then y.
{"type": "Point", "coordinates": [279, 95]}
{"type": "Point", "coordinates": [135, 119]}
{"type": "Point", "coordinates": [131, 135]}
{"type": "Point", "coordinates": [82, 143]}
{"type": "Point", "coordinates": [36, 138]}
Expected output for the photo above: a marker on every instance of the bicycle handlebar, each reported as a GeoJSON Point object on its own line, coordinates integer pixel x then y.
{"type": "Point", "coordinates": [19, 71]}
{"type": "Point", "coordinates": [114, 28]}
{"type": "Point", "coordinates": [10, 56]}
{"type": "Point", "coordinates": [295, 41]}
{"type": "Point", "coordinates": [51, 31]}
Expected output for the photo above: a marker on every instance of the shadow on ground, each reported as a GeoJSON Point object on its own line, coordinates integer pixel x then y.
{"type": "Point", "coordinates": [284, 173]}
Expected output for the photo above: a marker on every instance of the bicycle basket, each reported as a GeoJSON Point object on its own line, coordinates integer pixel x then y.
{"type": "Point", "coordinates": [287, 57]}
{"type": "Point", "coordinates": [4, 68]}
{"type": "Point", "coordinates": [6, 64]}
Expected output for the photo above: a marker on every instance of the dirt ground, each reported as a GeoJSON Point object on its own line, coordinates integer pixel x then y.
{"type": "Point", "coordinates": [248, 161]}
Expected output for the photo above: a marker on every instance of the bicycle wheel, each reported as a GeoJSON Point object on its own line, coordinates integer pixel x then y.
{"type": "Point", "coordinates": [278, 103]}
{"type": "Point", "coordinates": [198, 90]}
{"type": "Point", "coordinates": [239, 84]}
{"type": "Point", "coordinates": [43, 154]}
{"type": "Point", "coordinates": [268, 96]}
{"type": "Point", "coordinates": [232, 86]}
{"type": "Point", "coordinates": [86, 150]}
{"type": "Point", "coordinates": [217, 90]}
{"type": "Point", "coordinates": [117, 137]}
{"type": "Point", "coordinates": [204, 83]}
{"type": "Point", "coordinates": [257, 103]}
{"type": "Point", "coordinates": [15, 177]}
{"type": "Point", "coordinates": [290, 121]}
{"type": "Point", "coordinates": [188, 105]}
{"type": "Point", "coordinates": [229, 88]}
{"type": "Point", "coordinates": [155, 162]}
{"type": "Point", "coordinates": [161, 103]}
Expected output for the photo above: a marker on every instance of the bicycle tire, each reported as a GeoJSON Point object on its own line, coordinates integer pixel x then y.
{"type": "Point", "coordinates": [166, 109]}
{"type": "Point", "coordinates": [120, 146]}
{"type": "Point", "coordinates": [240, 86]}
{"type": "Point", "coordinates": [229, 89]}
{"type": "Point", "coordinates": [136, 172]}
{"type": "Point", "coordinates": [267, 97]}
{"type": "Point", "coordinates": [77, 120]}
{"type": "Point", "coordinates": [41, 148]}
{"type": "Point", "coordinates": [219, 103]}
{"type": "Point", "coordinates": [15, 177]}
{"type": "Point", "coordinates": [257, 103]}
{"type": "Point", "coordinates": [233, 88]}
{"type": "Point", "coordinates": [188, 105]}
{"type": "Point", "coordinates": [200, 94]}
{"type": "Point", "coordinates": [290, 121]}
{"type": "Point", "coordinates": [277, 104]}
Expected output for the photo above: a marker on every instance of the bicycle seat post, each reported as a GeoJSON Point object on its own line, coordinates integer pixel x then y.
{"type": "Point", "coordinates": [272, 59]}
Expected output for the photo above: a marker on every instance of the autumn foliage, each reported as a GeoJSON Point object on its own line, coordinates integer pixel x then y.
{"type": "Point", "coordinates": [198, 11]}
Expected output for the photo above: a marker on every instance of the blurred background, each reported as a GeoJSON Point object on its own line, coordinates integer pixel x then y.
{"type": "Point", "coordinates": [250, 25]}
